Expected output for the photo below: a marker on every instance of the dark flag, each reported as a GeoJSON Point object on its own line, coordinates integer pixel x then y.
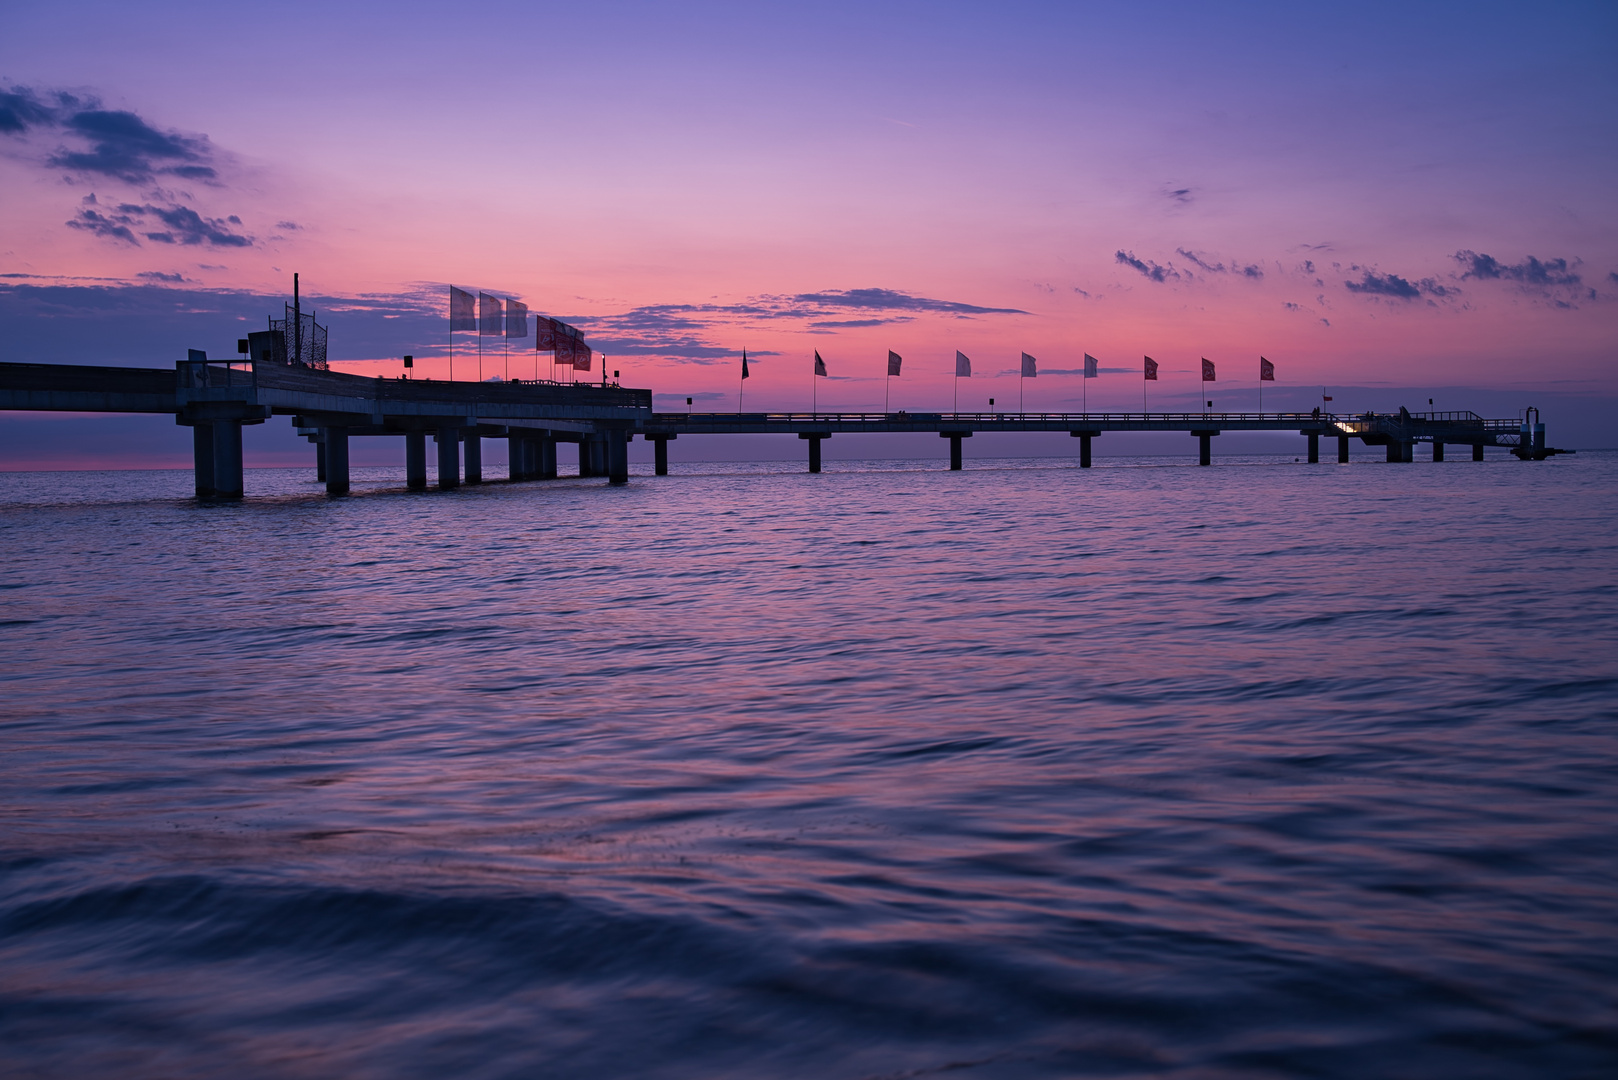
{"type": "Point", "coordinates": [1091, 371]}
{"type": "Point", "coordinates": [820, 365]}
{"type": "Point", "coordinates": [1030, 367]}
{"type": "Point", "coordinates": [463, 312]}
{"type": "Point", "coordinates": [963, 366]}
{"type": "Point", "coordinates": [582, 355]}
{"type": "Point", "coordinates": [544, 334]}
{"type": "Point", "coordinates": [1266, 370]}
{"type": "Point", "coordinates": [491, 317]}
{"type": "Point", "coordinates": [894, 360]}
{"type": "Point", "coordinates": [1151, 369]}
{"type": "Point", "coordinates": [564, 335]}
{"type": "Point", "coordinates": [516, 319]}
{"type": "Point", "coordinates": [1207, 370]}
{"type": "Point", "coordinates": [745, 373]}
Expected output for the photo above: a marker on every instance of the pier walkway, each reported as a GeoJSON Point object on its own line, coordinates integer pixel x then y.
{"type": "Point", "coordinates": [216, 398]}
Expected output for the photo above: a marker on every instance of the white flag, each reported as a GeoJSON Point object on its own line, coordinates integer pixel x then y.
{"type": "Point", "coordinates": [1028, 367]}
{"type": "Point", "coordinates": [963, 366]}
{"type": "Point", "coordinates": [1090, 362]}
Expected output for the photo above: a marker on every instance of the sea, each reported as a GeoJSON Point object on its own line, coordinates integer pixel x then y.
{"type": "Point", "coordinates": [1266, 769]}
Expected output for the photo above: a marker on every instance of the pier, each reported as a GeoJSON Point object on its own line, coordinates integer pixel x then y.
{"type": "Point", "coordinates": [217, 398]}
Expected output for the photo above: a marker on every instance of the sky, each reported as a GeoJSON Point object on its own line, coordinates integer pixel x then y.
{"type": "Point", "coordinates": [1381, 196]}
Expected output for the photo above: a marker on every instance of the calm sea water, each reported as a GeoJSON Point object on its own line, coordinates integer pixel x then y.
{"type": "Point", "coordinates": [1026, 771]}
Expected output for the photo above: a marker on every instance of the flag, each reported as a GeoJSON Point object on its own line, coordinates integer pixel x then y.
{"type": "Point", "coordinates": [582, 355]}
{"type": "Point", "coordinates": [1029, 369]}
{"type": "Point", "coordinates": [1266, 370]}
{"type": "Point", "coordinates": [894, 360]}
{"type": "Point", "coordinates": [560, 340]}
{"type": "Point", "coordinates": [1151, 369]}
{"type": "Point", "coordinates": [516, 319]}
{"type": "Point", "coordinates": [1207, 370]}
{"type": "Point", "coordinates": [544, 334]}
{"type": "Point", "coordinates": [1090, 369]}
{"type": "Point", "coordinates": [491, 319]}
{"type": "Point", "coordinates": [463, 312]}
{"type": "Point", "coordinates": [963, 366]}
{"type": "Point", "coordinates": [745, 373]}
{"type": "Point", "coordinates": [820, 365]}
{"type": "Point", "coordinates": [1325, 397]}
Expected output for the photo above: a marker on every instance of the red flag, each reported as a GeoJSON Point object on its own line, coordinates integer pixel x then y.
{"type": "Point", "coordinates": [1151, 369]}
{"type": "Point", "coordinates": [1207, 370]}
{"type": "Point", "coordinates": [544, 334]}
{"type": "Point", "coordinates": [1266, 370]}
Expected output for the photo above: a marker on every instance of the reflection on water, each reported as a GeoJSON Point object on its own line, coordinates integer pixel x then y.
{"type": "Point", "coordinates": [1023, 771]}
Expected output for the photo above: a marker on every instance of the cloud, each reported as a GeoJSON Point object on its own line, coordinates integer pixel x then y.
{"type": "Point", "coordinates": [1530, 273]}
{"type": "Point", "coordinates": [1250, 271]}
{"type": "Point", "coordinates": [1392, 285]}
{"type": "Point", "coordinates": [21, 109]}
{"type": "Point", "coordinates": [846, 323]}
{"type": "Point", "coordinates": [124, 146]}
{"type": "Point", "coordinates": [158, 275]}
{"type": "Point", "coordinates": [180, 224]}
{"type": "Point", "coordinates": [1152, 271]}
{"type": "Point", "coordinates": [889, 300]}
{"type": "Point", "coordinates": [289, 226]}
{"type": "Point", "coordinates": [1177, 195]}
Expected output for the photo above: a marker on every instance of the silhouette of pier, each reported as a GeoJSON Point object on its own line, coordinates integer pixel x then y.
{"type": "Point", "coordinates": [216, 398]}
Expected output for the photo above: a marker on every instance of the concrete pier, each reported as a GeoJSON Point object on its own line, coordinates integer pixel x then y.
{"type": "Point", "coordinates": [473, 463]}
{"type": "Point", "coordinates": [617, 449]}
{"type": "Point", "coordinates": [814, 438]}
{"type": "Point", "coordinates": [1205, 446]}
{"type": "Point", "coordinates": [449, 458]}
{"type": "Point", "coordinates": [416, 460]}
{"type": "Point", "coordinates": [1314, 448]}
{"type": "Point", "coordinates": [336, 443]}
{"type": "Point", "coordinates": [660, 453]}
{"type": "Point", "coordinates": [1084, 438]}
{"type": "Point", "coordinates": [202, 459]}
{"type": "Point", "coordinates": [1438, 450]}
{"type": "Point", "coordinates": [1342, 449]}
{"type": "Point", "coordinates": [227, 459]}
{"type": "Point", "coordinates": [1477, 451]}
{"type": "Point", "coordinates": [320, 458]}
{"type": "Point", "coordinates": [955, 438]}
{"type": "Point", "coordinates": [547, 459]}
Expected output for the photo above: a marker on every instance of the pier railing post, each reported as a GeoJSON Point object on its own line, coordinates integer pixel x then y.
{"type": "Point", "coordinates": [335, 441]}
{"type": "Point", "coordinates": [449, 457]}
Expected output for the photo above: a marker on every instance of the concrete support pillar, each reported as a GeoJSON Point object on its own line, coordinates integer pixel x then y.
{"type": "Point", "coordinates": [1084, 438]}
{"type": "Point", "coordinates": [955, 438]}
{"type": "Point", "coordinates": [474, 457]}
{"type": "Point", "coordinates": [598, 455]}
{"type": "Point", "coordinates": [547, 459]}
{"type": "Point", "coordinates": [616, 444]}
{"type": "Point", "coordinates": [1205, 446]}
{"type": "Point", "coordinates": [660, 450]}
{"type": "Point", "coordinates": [517, 467]}
{"type": "Point", "coordinates": [416, 460]}
{"type": "Point", "coordinates": [202, 459]}
{"type": "Point", "coordinates": [1342, 449]}
{"type": "Point", "coordinates": [1314, 448]}
{"type": "Point", "coordinates": [814, 438]}
{"type": "Point", "coordinates": [1393, 453]}
{"type": "Point", "coordinates": [1477, 451]}
{"type": "Point", "coordinates": [449, 457]}
{"type": "Point", "coordinates": [1539, 441]}
{"type": "Point", "coordinates": [336, 443]}
{"type": "Point", "coordinates": [320, 459]}
{"type": "Point", "coordinates": [227, 459]}
{"type": "Point", "coordinates": [1407, 451]}
{"type": "Point", "coordinates": [587, 456]}
{"type": "Point", "coordinates": [1438, 450]}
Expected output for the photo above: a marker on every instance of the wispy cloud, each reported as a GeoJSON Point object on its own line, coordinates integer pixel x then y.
{"type": "Point", "coordinates": [1553, 279]}
{"type": "Point", "coordinates": [172, 225]}
{"type": "Point", "coordinates": [1151, 270]}
{"type": "Point", "coordinates": [1393, 286]}
{"type": "Point", "coordinates": [890, 300]}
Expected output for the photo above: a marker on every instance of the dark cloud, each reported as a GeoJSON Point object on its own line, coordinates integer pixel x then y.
{"type": "Point", "coordinates": [21, 109]}
{"type": "Point", "coordinates": [289, 226]}
{"type": "Point", "coordinates": [1252, 271]}
{"type": "Point", "coordinates": [158, 275]}
{"type": "Point", "coordinates": [1549, 274]}
{"type": "Point", "coordinates": [180, 224]}
{"type": "Point", "coordinates": [124, 146]}
{"type": "Point", "coordinates": [840, 324]}
{"type": "Point", "coordinates": [889, 300]}
{"type": "Point", "coordinates": [1177, 195]}
{"type": "Point", "coordinates": [1372, 283]}
{"type": "Point", "coordinates": [1152, 271]}
{"type": "Point", "coordinates": [1207, 266]}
